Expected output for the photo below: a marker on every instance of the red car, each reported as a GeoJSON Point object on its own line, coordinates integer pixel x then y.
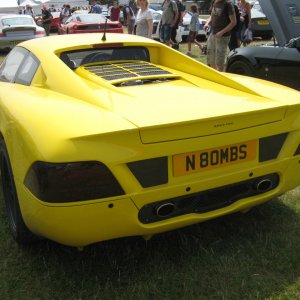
{"type": "Point", "coordinates": [86, 23]}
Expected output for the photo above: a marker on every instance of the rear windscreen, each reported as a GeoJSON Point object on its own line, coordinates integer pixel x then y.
{"type": "Point", "coordinates": [81, 57]}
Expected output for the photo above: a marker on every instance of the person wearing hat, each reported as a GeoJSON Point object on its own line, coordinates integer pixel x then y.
{"type": "Point", "coordinates": [28, 10]}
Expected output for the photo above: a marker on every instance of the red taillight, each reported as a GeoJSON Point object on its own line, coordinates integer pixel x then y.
{"type": "Point", "coordinates": [39, 33]}
{"type": "Point", "coordinates": [75, 27]}
{"type": "Point", "coordinates": [2, 35]}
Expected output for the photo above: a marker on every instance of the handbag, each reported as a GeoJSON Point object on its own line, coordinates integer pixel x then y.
{"type": "Point", "coordinates": [248, 36]}
{"type": "Point", "coordinates": [179, 33]}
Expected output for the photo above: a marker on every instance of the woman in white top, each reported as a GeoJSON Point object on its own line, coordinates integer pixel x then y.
{"type": "Point", "coordinates": [144, 19]}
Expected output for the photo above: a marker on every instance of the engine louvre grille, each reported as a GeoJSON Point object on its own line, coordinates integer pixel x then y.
{"type": "Point", "coordinates": [125, 70]}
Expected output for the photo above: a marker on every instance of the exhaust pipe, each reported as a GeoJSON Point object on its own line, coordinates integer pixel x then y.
{"type": "Point", "coordinates": [165, 209]}
{"type": "Point", "coordinates": [263, 185]}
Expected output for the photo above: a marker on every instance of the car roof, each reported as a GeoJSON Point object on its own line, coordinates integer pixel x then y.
{"type": "Point", "coordinates": [284, 17]}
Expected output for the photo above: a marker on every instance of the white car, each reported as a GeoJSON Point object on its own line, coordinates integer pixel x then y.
{"type": "Point", "coordinates": [186, 24]}
{"type": "Point", "coordinates": [16, 28]}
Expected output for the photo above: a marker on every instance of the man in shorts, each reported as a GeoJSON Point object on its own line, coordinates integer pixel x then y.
{"type": "Point", "coordinates": [168, 20]}
{"type": "Point", "coordinates": [221, 21]}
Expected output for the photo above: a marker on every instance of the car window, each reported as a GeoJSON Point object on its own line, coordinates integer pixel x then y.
{"type": "Point", "coordinates": [11, 64]}
{"type": "Point", "coordinates": [17, 21]}
{"type": "Point", "coordinates": [27, 70]}
{"type": "Point", "coordinates": [91, 18]}
{"type": "Point", "coordinates": [156, 16]}
{"type": "Point", "coordinates": [81, 57]}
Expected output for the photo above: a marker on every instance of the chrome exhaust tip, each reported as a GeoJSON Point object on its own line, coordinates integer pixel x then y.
{"type": "Point", "coordinates": [263, 185]}
{"type": "Point", "coordinates": [165, 209]}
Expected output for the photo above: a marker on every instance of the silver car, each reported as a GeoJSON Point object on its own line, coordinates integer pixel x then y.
{"type": "Point", "coordinates": [17, 28]}
{"type": "Point", "coordinates": [261, 26]}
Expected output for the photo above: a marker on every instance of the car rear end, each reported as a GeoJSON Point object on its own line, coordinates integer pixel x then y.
{"type": "Point", "coordinates": [184, 161]}
{"type": "Point", "coordinates": [260, 25]}
{"type": "Point", "coordinates": [16, 29]}
{"type": "Point", "coordinates": [148, 145]}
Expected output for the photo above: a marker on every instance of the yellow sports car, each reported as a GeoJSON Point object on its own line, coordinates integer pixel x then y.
{"type": "Point", "coordinates": [107, 136]}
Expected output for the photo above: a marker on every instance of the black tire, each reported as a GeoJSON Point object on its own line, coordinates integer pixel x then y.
{"type": "Point", "coordinates": [16, 224]}
{"type": "Point", "coordinates": [241, 67]}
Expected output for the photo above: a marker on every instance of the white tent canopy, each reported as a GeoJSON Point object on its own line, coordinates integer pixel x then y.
{"type": "Point", "coordinates": [60, 3]}
{"type": "Point", "coordinates": [32, 2]}
{"type": "Point", "coordinates": [13, 6]}
{"type": "Point", "coordinates": [9, 6]}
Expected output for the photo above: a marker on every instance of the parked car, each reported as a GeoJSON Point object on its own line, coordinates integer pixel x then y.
{"type": "Point", "coordinates": [260, 24]}
{"type": "Point", "coordinates": [279, 61]}
{"type": "Point", "coordinates": [186, 23]}
{"type": "Point", "coordinates": [88, 23]}
{"type": "Point", "coordinates": [99, 139]}
{"type": "Point", "coordinates": [15, 28]}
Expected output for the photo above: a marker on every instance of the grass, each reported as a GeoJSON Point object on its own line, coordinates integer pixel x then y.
{"type": "Point", "coordinates": [250, 256]}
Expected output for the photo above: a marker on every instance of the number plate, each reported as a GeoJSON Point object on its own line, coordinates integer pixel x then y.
{"type": "Point", "coordinates": [263, 22]}
{"type": "Point", "coordinates": [194, 162]}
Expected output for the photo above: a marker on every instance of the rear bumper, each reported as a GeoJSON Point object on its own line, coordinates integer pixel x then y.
{"type": "Point", "coordinates": [86, 223]}
{"type": "Point", "coordinates": [10, 42]}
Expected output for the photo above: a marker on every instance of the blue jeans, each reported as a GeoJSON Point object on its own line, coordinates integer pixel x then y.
{"type": "Point", "coordinates": [165, 32]}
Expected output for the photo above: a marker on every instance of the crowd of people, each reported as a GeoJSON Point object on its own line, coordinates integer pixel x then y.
{"type": "Point", "coordinates": [228, 22]}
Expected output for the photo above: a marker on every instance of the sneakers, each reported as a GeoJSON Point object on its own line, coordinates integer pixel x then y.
{"type": "Point", "coordinates": [175, 46]}
{"type": "Point", "coordinates": [189, 53]}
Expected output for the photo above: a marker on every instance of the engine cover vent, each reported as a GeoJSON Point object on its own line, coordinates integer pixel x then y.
{"type": "Point", "coordinates": [126, 70]}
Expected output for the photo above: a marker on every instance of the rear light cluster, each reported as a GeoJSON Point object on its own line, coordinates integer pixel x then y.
{"type": "Point", "coordinates": [69, 182]}
{"type": "Point", "coordinates": [39, 33]}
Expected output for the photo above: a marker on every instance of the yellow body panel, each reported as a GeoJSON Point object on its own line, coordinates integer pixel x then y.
{"type": "Point", "coordinates": [67, 116]}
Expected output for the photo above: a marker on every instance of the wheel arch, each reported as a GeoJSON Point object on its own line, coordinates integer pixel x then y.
{"type": "Point", "coordinates": [252, 61]}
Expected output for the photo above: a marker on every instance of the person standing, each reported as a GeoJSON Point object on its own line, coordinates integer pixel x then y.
{"type": "Point", "coordinates": [179, 22]}
{"type": "Point", "coordinates": [46, 18]}
{"type": "Point", "coordinates": [168, 20]}
{"type": "Point", "coordinates": [129, 17]}
{"type": "Point", "coordinates": [194, 28]}
{"type": "Point", "coordinates": [144, 19]}
{"type": "Point", "coordinates": [235, 40]}
{"type": "Point", "coordinates": [245, 18]}
{"type": "Point", "coordinates": [115, 12]}
{"type": "Point", "coordinates": [65, 13]}
{"type": "Point", "coordinates": [96, 8]}
{"type": "Point", "coordinates": [221, 20]}
{"type": "Point", "coordinates": [28, 11]}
